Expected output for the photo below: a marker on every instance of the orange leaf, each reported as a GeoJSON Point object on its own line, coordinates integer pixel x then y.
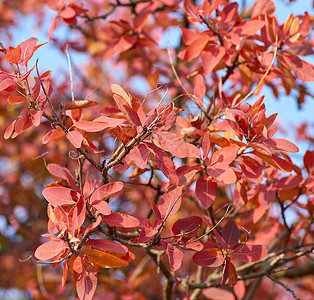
{"type": "Point", "coordinates": [104, 259]}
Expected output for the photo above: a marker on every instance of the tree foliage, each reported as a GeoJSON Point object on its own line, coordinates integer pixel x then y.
{"type": "Point", "coordinates": [184, 192]}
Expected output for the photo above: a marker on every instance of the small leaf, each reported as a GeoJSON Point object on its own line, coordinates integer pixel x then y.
{"type": "Point", "coordinates": [75, 137]}
{"type": "Point", "coordinates": [231, 233]}
{"type": "Point", "coordinates": [58, 195]}
{"type": "Point", "coordinates": [210, 256]}
{"type": "Point", "coordinates": [50, 249]}
{"type": "Point", "coordinates": [206, 191]}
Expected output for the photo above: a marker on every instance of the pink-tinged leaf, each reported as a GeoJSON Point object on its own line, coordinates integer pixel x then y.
{"type": "Point", "coordinates": [225, 155]}
{"type": "Point", "coordinates": [21, 120]}
{"type": "Point", "coordinates": [92, 226]}
{"type": "Point", "coordinates": [280, 144]}
{"type": "Point", "coordinates": [190, 224]}
{"type": "Point", "coordinates": [6, 81]}
{"type": "Point", "coordinates": [91, 126]}
{"type": "Point", "coordinates": [147, 233]}
{"type": "Point", "coordinates": [193, 151]}
{"type": "Point", "coordinates": [231, 233]}
{"type": "Point", "coordinates": [75, 138]}
{"type": "Point", "coordinates": [199, 89]}
{"type": "Point", "coordinates": [123, 100]}
{"type": "Point", "coordinates": [88, 143]}
{"type": "Point", "coordinates": [170, 203]}
{"type": "Point", "coordinates": [211, 56]}
{"type": "Point", "coordinates": [228, 15]}
{"type": "Point", "coordinates": [195, 49]}
{"type": "Point", "coordinates": [165, 164]}
{"type": "Point", "coordinates": [222, 173]}
{"type": "Point", "coordinates": [276, 162]}
{"type": "Point", "coordinates": [67, 13]}
{"type": "Point", "coordinates": [249, 253]}
{"type": "Point", "coordinates": [50, 249]}
{"type": "Point", "coordinates": [36, 116]}
{"type": "Point", "coordinates": [56, 171]}
{"type": "Point", "coordinates": [251, 169]}
{"type": "Point", "coordinates": [85, 279]}
{"type": "Point", "coordinates": [170, 142]}
{"type": "Point", "coordinates": [175, 256]}
{"type": "Point", "coordinates": [308, 160]}
{"type": "Point", "coordinates": [141, 20]}
{"type": "Point", "coordinates": [122, 220]}
{"type": "Point", "coordinates": [262, 7]}
{"type": "Point", "coordinates": [210, 256]}
{"type": "Point", "coordinates": [155, 210]}
{"type": "Point", "coordinates": [239, 289]}
{"type": "Point", "coordinates": [302, 69]}
{"type": "Point", "coordinates": [206, 145]}
{"type": "Point", "coordinates": [106, 191]}
{"type": "Point", "coordinates": [28, 48]}
{"type": "Point", "coordinates": [52, 26]}
{"type": "Point", "coordinates": [76, 216]}
{"type": "Point", "coordinates": [103, 207]}
{"type": "Point", "coordinates": [218, 294]}
{"type": "Point", "coordinates": [244, 29]}
{"type": "Point", "coordinates": [58, 195]}
{"type": "Point", "coordinates": [139, 155]}
{"type": "Point", "coordinates": [206, 191]}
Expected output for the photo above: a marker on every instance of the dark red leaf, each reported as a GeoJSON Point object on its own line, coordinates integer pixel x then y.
{"type": "Point", "coordinates": [231, 233]}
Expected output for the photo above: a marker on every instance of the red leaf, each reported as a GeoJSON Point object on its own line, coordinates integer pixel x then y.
{"type": "Point", "coordinates": [13, 55]}
{"type": "Point", "coordinates": [231, 233]}
{"type": "Point", "coordinates": [58, 195]}
{"type": "Point", "coordinates": [122, 220]}
{"type": "Point", "coordinates": [139, 155]}
{"type": "Point", "coordinates": [123, 100]}
{"type": "Point", "coordinates": [244, 29]}
{"type": "Point", "coordinates": [302, 69]}
{"type": "Point", "coordinates": [249, 253]}
{"type": "Point", "coordinates": [103, 207]}
{"type": "Point", "coordinates": [85, 279]}
{"type": "Point", "coordinates": [75, 138]}
{"type": "Point", "coordinates": [280, 144]}
{"type": "Point", "coordinates": [190, 224]}
{"type": "Point", "coordinates": [251, 169]}
{"type": "Point", "coordinates": [175, 256]}
{"type": "Point", "coordinates": [50, 249]}
{"type": "Point", "coordinates": [210, 256]}
{"type": "Point", "coordinates": [206, 191]}
{"type": "Point", "coordinates": [91, 126]}
{"type": "Point", "coordinates": [308, 160]}
{"type": "Point", "coordinates": [211, 56]}
{"type": "Point", "coordinates": [170, 142]}
{"type": "Point", "coordinates": [6, 81]}
{"type": "Point", "coordinates": [165, 164]}
{"type": "Point", "coordinates": [199, 89]}
{"type": "Point", "coordinates": [170, 203]}
{"type": "Point", "coordinates": [106, 191]}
